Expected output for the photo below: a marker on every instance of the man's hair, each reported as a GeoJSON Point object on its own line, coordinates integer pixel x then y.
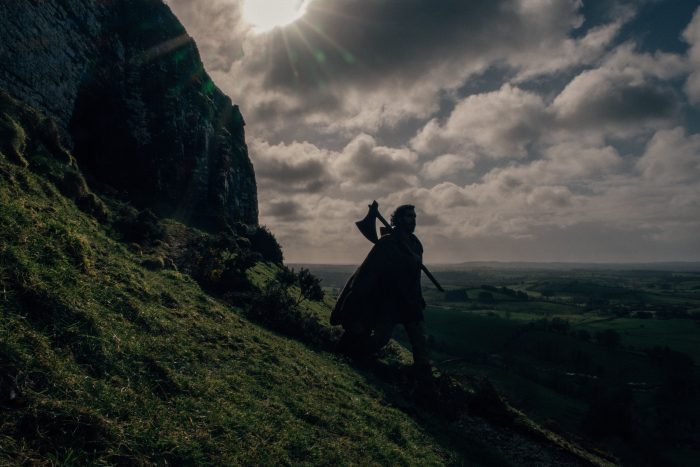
{"type": "Point", "coordinates": [399, 212]}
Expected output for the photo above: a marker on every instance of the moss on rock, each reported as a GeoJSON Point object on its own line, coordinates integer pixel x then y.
{"type": "Point", "coordinates": [13, 140]}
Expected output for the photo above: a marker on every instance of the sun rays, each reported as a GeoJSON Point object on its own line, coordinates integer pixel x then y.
{"type": "Point", "coordinates": [265, 15]}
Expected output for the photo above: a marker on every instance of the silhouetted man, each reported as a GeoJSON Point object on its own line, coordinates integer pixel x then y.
{"type": "Point", "coordinates": [384, 291]}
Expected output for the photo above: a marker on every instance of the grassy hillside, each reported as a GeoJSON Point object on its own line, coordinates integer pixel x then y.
{"type": "Point", "coordinates": [111, 353]}
{"type": "Point", "coordinates": [102, 360]}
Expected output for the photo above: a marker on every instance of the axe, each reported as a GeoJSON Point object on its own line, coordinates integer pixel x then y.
{"type": "Point", "coordinates": [368, 227]}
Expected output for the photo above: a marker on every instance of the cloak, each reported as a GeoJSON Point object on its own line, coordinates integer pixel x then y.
{"type": "Point", "coordinates": [386, 286]}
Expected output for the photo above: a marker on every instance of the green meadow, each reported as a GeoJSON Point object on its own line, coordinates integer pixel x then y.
{"type": "Point", "coordinates": [609, 357]}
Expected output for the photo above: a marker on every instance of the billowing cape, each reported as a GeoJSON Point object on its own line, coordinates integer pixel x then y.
{"type": "Point", "coordinates": [386, 286]}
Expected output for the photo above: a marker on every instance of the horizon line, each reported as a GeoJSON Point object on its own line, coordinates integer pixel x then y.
{"type": "Point", "coordinates": [457, 263]}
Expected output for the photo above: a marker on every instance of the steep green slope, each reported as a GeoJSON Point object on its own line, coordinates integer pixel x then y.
{"type": "Point", "coordinates": [102, 360]}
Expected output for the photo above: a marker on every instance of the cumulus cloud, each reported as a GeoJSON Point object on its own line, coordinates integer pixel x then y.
{"type": "Point", "coordinates": [671, 157]}
{"type": "Point", "coordinates": [692, 36]}
{"type": "Point", "coordinates": [286, 210]}
{"type": "Point", "coordinates": [296, 167]}
{"type": "Point", "coordinates": [550, 196]}
{"type": "Point", "coordinates": [571, 161]}
{"type": "Point", "coordinates": [625, 98]}
{"type": "Point", "coordinates": [568, 53]}
{"type": "Point", "coordinates": [544, 179]}
{"type": "Point", "coordinates": [373, 66]}
{"type": "Point", "coordinates": [364, 162]}
{"type": "Point", "coordinates": [515, 200]}
{"type": "Point", "coordinates": [496, 124]}
{"type": "Point", "coordinates": [627, 93]}
{"type": "Point", "coordinates": [447, 165]}
{"type": "Point", "coordinates": [339, 42]}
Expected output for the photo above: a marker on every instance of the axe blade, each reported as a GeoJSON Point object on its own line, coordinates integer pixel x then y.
{"type": "Point", "coordinates": [368, 225]}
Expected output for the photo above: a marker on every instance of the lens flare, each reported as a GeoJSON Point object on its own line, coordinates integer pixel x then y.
{"type": "Point", "coordinates": [265, 15]}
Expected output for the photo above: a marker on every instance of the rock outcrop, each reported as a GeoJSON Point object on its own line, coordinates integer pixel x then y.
{"type": "Point", "coordinates": [130, 95]}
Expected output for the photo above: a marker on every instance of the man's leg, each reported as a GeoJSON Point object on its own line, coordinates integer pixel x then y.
{"type": "Point", "coordinates": [422, 367]}
{"type": "Point", "coordinates": [419, 345]}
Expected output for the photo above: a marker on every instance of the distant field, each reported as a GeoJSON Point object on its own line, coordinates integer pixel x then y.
{"type": "Point", "coordinates": [678, 334]}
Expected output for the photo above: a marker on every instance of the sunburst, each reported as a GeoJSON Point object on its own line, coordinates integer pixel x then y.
{"type": "Point", "coordinates": [265, 15]}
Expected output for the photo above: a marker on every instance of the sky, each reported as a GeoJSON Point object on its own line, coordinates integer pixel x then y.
{"type": "Point", "coordinates": [522, 130]}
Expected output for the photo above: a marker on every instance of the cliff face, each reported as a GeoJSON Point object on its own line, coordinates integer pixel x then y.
{"type": "Point", "coordinates": [127, 88]}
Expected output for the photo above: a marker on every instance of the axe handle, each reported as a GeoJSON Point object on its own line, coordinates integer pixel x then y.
{"type": "Point", "coordinates": [422, 266]}
{"type": "Point", "coordinates": [430, 276]}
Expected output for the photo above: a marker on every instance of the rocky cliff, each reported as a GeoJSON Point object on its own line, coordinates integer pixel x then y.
{"type": "Point", "coordinates": [129, 93]}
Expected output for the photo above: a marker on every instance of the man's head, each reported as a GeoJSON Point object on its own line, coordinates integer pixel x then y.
{"type": "Point", "coordinates": [404, 218]}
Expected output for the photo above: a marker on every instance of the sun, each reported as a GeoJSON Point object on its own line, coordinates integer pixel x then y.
{"type": "Point", "coordinates": [265, 15]}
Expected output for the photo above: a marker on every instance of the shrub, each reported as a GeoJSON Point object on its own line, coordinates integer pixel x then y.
{"type": "Point", "coordinates": [139, 227]}
{"type": "Point", "coordinates": [309, 286]}
{"type": "Point", "coordinates": [286, 277]}
{"type": "Point", "coordinates": [264, 242]}
{"type": "Point", "coordinates": [274, 308]}
{"type": "Point", "coordinates": [218, 264]}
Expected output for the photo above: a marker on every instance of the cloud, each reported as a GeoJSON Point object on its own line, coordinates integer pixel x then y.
{"type": "Point", "coordinates": [625, 98]}
{"type": "Point", "coordinates": [568, 52]}
{"type": "Point", "coordinates": [296, 167]}
{"type": "Point", "coordinates": [572, 161]}
{"type": "Point", "coordinates": [626, 94]}
{"type": "Point", "coordinates": [496, 124]}
{"type": "Point", "coordinates": [671, 157]}
{"type": "Point", "coordinates": [375, 66]}
{"type": "Point", "coordinates": [550, 196]}
{"type": "Point", "coordinates": [447, 165]}
{"type": "Point", "coordinates": [364, 162]}
{"type": "Point", "coordinates": [515, 200]}
{"type": "Point", "coordinates": [337, 42]}
{"type": "Point", "coordinates": [545, 179]}
{"type": "Point", "coordinates": [658, 65]}
{"type": "Point", "coordinates": [531, 130]}
{"type": "Point", "coordinates": [692, 36]}
{"type": "Point", "coordinates": [361, 166]}
{"type": "Point", "coordinates": [286, 210]}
